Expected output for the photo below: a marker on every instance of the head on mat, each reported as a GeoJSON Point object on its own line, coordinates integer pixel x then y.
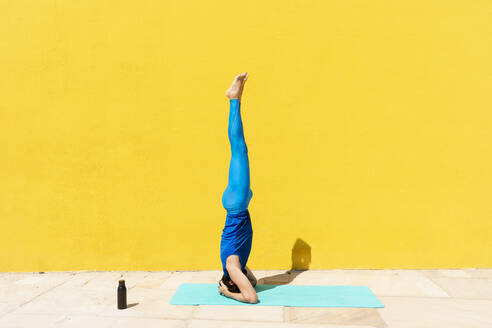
{"type": "Point", "coordinates": [235, 245]}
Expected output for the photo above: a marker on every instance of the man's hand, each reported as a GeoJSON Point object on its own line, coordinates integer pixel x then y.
{"type": "Point", "coordinates": [223, 289]}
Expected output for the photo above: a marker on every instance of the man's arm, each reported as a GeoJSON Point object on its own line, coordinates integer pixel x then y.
{"type": "Point", "coordinates": [248, 293]}
{"type": "Point", "coordinates": [237, 296]}
{"type": "Point", "coordinates": [243, 283]}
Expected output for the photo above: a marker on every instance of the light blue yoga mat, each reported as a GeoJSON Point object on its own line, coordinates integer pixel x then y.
{"type": "Point", "coordinates": [286, 295]}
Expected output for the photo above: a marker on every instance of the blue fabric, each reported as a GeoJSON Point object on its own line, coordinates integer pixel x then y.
{"type": "Point", "coordinates": [282, 295]}
{"type": "Point", "coordinates": [237, 195]}
{"type": "Point", "coordinates": [237, 234]}
{"type": "Point", "coordinates": [237, 237]}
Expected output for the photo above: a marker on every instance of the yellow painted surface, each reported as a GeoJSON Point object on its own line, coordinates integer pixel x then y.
{"type": "Point", "coordinates": [368, 125]}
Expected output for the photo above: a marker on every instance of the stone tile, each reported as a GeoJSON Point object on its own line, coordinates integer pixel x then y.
{"type": "Point", "coordinates": [45, 278]}
{"type": "Point", "coordinates": [480, 273]}
{"type": "Point", "coordinates": [412, 298]}
{"type": "Point", "coordinates": [70, 301]}
{"type": "Point", "coordinates": [6, 307]}
{"type": "Point", "coordinates": [425, 286]}
{"type": "Point", "coordinates": [154, 279]}
{"type": "Point", "coordinates": [32, 280]}
{"type": "Point", "coordinates": [259, 324]}
{"type": "Point", "coordinates": [78, 279]}
{"type": "Point", "coordinates": [447, 273]}
{"type": "Point", "coordinates": [335, 316]}
{"type": "Point", "coordinates": [313, 277]}
{"type": "Point", "coordinates": [479, 288]}
{"type": "Point", "coordinates": [10, 277]}
{"type": "Point", "coordinates": [132, 278]}
{"type": "Point", "coordinates": [268, 273]}
{"type": "Point", "coordinates": [179, 277]}
{"type": "Point", "coordinates": [278, 277]}
{"type": "Point", "coordinates": [83, 321]}
{"type": "Point", "coordinates": [108, 280]}
{"type": "Point", "coordinates": [148, 303]}
{"type": "Point", "coordinates": [239, 312]}
{"type": "Point", "coordinates": [259, 273]}
{"type": "Point", "coordinates": [83, 293]}
{"type": "Point", "coordinates": [29, 320]}
{"type": "Point", "coordinates": [411, 312]}
{"type": "Point", "coordinates": [381, 282]}
{"type": "Point", "coordinates": [19, 291]}
{"type": "Point", "coordinates": [148, 323]}
{"type": "Point", "coordinates": [22, 278]}
{"type": "Point", "coordinates": [74, 321]}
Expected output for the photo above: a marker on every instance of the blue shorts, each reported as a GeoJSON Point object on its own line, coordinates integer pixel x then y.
{"type": "Point", "coordinates": [236, 239]}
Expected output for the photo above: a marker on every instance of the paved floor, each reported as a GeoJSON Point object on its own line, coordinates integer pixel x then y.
{"type": "Point", "coordinates": [412, 298]}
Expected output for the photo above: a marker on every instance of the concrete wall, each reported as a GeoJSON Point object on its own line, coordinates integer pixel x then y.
{"type": "Point", "coordinates": [368, 125]}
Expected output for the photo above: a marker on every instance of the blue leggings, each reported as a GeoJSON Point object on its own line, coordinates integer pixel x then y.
{"type": "Point", "coordinates": [237, 234]}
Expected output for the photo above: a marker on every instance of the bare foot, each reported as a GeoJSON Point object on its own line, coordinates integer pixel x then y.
{"type": "Point", "coordinates": [236, 89]}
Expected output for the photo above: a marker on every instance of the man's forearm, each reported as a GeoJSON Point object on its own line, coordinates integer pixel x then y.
{"type": "Point", "coordinates": [237, 296]}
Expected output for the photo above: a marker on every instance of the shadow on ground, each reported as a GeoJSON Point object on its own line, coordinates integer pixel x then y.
{"type": "Point", "coordinates": [301, 258]}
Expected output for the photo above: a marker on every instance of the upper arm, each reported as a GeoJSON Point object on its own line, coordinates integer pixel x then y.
{"type": "Point", "coordinates": [243, 283]}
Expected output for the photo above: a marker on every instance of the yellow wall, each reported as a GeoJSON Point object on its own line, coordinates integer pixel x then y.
{"type": "Point", "coordinates": [368, 125]}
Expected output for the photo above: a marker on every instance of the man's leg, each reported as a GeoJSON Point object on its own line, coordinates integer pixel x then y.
{"type": "Point", "coordinates": [237, 195]}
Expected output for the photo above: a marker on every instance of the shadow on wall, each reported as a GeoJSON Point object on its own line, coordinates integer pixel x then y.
{"type": "Point", "coordinates": [301, 258]}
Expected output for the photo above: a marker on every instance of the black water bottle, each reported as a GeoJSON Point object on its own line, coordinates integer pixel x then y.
{"type": "Point", "coordinates": [121, 295]}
